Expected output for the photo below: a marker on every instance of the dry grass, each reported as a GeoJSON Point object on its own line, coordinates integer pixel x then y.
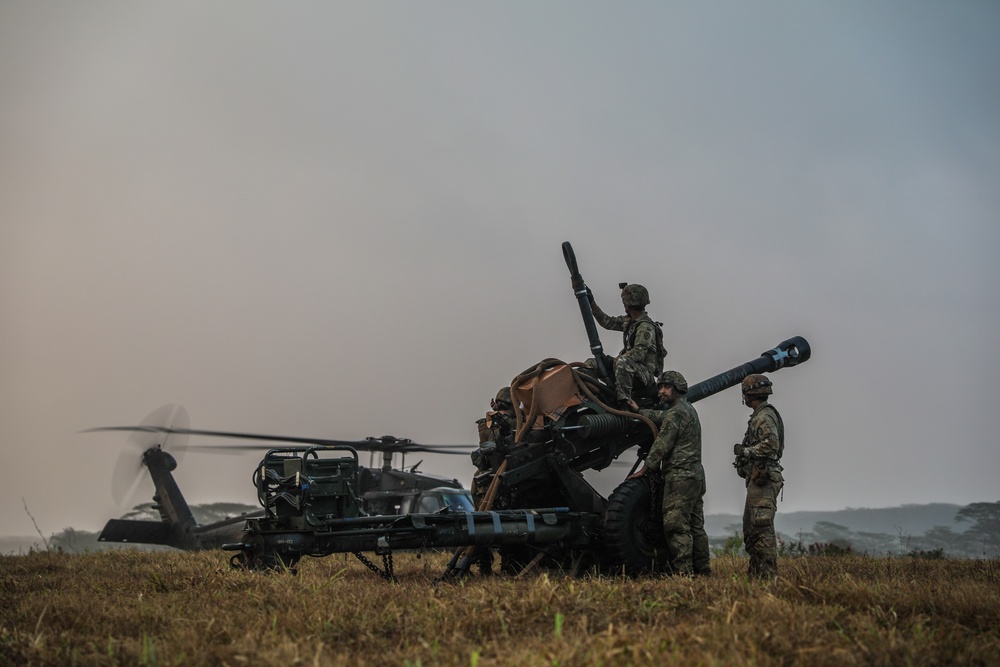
{"type": "Point", "coordinates": [128, 608]}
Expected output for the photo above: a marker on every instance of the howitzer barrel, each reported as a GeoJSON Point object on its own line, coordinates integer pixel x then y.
{"type": "Point", "coordinates": [580, 291]}
{"type": "Point", "coordinates": [791, 352]}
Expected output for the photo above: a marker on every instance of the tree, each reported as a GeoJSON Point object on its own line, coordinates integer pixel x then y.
{"type": "Point", "coordinates": [833, 533]}
{"type": "Point", "coordinates": [874, 543]}
{"type": "Point", "coordinates": [985, 528]}
{"type": "Point", "coordinates": [943, 538]}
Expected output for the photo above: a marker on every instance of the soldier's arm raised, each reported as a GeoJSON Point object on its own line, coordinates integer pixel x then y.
{"type": "Point", "coordinates": [607, 321]}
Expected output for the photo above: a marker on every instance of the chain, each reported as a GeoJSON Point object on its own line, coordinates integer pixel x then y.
{"type": "Point", "coordinates": [386, 562]}
{"type": "Point", "coordinates": [656, 484]}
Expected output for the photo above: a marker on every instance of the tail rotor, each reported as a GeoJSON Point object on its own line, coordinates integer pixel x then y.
{"type": "Point", "coordinates": [156, 430]}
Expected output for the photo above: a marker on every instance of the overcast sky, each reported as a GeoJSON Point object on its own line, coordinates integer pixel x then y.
{"type": "Point", "coordinates": [344, 219]}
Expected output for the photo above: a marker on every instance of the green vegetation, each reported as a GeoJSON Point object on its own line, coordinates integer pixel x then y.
{"type": "Point", "coordinates": [172, 608]}
{"type": "Point", "coordinates": [979, 539]}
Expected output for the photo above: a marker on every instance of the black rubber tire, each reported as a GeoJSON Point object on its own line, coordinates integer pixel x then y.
{"type": "Point", "coordinates": [633, 531]}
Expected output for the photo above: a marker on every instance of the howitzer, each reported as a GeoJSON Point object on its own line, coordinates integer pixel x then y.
{"type": "Point", "coordinates": [576, 430]}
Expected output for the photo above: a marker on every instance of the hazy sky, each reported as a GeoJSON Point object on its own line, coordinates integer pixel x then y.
{"type": "Point", "coordinates": [341, 219]}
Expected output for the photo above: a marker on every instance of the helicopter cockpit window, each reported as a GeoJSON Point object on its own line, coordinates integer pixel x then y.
{"type": "Point", "coordinates": [430, 504]}
{"type": "Point", "coordinates": [459, 502]}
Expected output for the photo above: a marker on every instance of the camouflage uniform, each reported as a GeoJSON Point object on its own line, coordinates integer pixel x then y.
{"type": "Point", "coordinates": [642, 353]}
{"type": "Point", "coordinates": [496, 431]}
{"type": "Point", "coordinates": [677, 453]}
{"type": "Point", "coordinates": [497, 427]}
{"type": "Point", "coordinates": [759, 463]}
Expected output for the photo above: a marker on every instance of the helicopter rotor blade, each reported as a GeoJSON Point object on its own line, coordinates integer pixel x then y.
{"type": "Point", "coordinates": [385, 443]}
{"type": "Point", "coordinates": [227, 434]}
{"type": "Point", "coordinates": [126, 475]}
{"type": "Point", "coordinates": [390, 443]}
{"type": "Point", "coordinates": [406, 449]}
{"type": "Point", "coordinates": [437, 450]}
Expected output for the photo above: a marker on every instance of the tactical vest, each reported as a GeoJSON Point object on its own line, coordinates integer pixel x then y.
{"type": "Point", "coordinates": [632, 329]}
{"type": "Point", "coordinates": [750, 439]}
{"type": "Point", "coordinates": [495, 426]}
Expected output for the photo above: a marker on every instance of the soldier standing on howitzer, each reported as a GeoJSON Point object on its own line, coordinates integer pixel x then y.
{"type": "Point", "coordinates": [641, 358]}
{"type": "Point", "coordinates": [676, 454]}
{"type": "Point", "coordinates": [758, 462]}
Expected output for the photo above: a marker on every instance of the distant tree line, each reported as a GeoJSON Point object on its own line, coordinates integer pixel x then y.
{"type": "Point", "coordinates": [980, 540]}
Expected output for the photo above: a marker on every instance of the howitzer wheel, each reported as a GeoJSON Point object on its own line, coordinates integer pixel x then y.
{"type": "Point", "coordinates": [633, 530]}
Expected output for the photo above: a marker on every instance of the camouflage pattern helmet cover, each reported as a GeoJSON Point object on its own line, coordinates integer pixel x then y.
{"type": "Point", "coordinates": [674, 379]}
{"type": "Point", "coordinates": [503, 396]}
{"type": "Point", "coordinates": [635, 295]}
{"type": "Point", "coordinates": [756, 385]}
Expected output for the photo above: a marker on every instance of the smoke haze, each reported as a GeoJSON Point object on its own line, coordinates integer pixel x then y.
{"type": "Point", "coordinates": [341, 220]}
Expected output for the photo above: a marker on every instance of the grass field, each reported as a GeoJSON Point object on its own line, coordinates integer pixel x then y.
{"type": "Point", "coordinates": [135, 608]}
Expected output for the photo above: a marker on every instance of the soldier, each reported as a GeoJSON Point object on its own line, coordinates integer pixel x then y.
{"type": "Point", "coordinates": [498, 423]}
{"type": "Point", "coordinates": [641, 358]}
{"type": "Point", "coordinates": [758, 462]}
{"type": "Point", "coordinates": [496, 430]}
{"type": "Point", "coordinates": [676, 453]}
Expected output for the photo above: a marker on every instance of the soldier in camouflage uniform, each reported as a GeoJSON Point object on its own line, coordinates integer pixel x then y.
{"type": "Point", "coordinates": [641, 358]}
{"type": "Point", "coordinates": [758, 462]}
{"type": "Point", "coordinates": [496, 433]}
{"type": "Point", "coordinates": [497, 422]}
{"type": "Point", "coordinates": [676, 453]}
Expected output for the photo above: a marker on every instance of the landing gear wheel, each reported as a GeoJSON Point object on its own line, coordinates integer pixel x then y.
{"type": "Point", "coordinates": [239, 561]}
{"type": "Point", "coordinates": [633, 530]}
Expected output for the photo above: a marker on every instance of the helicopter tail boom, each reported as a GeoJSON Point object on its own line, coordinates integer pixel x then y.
{"type": "Point", "coordinates": [138, 532]}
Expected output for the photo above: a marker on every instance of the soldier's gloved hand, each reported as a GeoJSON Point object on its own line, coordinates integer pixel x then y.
{"type": "Point", "coordinates": [590, 295]}
{"type": "Point", "coordinates": [641, 472]}
{"type": "Point", "coordinates": [738, 449]}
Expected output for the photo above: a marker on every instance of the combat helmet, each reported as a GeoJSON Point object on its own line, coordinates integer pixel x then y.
{"type": "Point", "coordinates": [634, 295]}
{"type": "Point", "coordinates": [503, 397]}
{"type": "Point", "coordinates": [674, 379]}
{"type": "Point", "coordinates": [756, 385]}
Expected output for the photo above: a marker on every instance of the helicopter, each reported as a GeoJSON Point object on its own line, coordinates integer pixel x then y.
{"type": "Point", "coordinates": [160, 441]}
